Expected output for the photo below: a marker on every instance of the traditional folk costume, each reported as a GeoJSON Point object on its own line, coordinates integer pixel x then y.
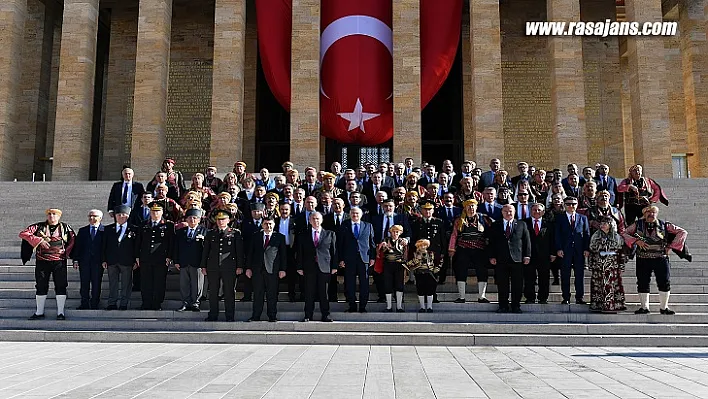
{"type": "Point", "coordinates": [426, 266]}
{"type": "Point", "coordinates": [606, 291]}
{"type": "Point", "coordinates": [469, 242]}
{"type": "Point", "coordinates": [654, 258]}
{"type": "Point", "coordinates": [394, 253]}
{"type": "Point", "coordinates": [51, 262]}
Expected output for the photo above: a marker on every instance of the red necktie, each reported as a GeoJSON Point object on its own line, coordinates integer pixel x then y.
{"type": "Point", "coordinates": [508, 229]}
{"type": "Point", "coordinates": [536, 229]}
{"type": "Point", "coordinates": [572, 220]}
{"type": "Point", "coordinates": [267, 240]}
{"type": "Point", "coordinates": [317, 238]}
{"type": "Point", "coordinates": [523, 211]}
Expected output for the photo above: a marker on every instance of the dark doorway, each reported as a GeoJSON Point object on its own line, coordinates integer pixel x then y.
{"type": "Point", "coordinates": [102, 47]}
{"type": "Point", "coordinates": [352, 155]}
{"type": "Point", "coordinates": [442, 120]}
{"type": "Point", "coordinates": [272, 126]}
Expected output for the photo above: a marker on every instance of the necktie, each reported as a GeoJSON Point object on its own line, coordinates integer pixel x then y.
{"type": "Point", "coordinates": [125, 193]}
{"type": "Point", "coordinates": [93, 232]}
{"type": "Point", "coordinates": [523, 211]}
{"type": "Point", "coordinates": [267, 240]}
{"type": "Point", "coordinates": [508, 229]}
{"type": "Point", "coordinates": [386, 227]}
{"type": "Point", "coordinates": [120, 232]}
{"type": "Point", "coordinates": [297, 208]}
{"type": "Point", "coordinates": [379, 210]}
{"type": "Point", "coordinates": [375, 189]}
{"type": "Point", "coordinates": [190, 233]}
{"type": "Point", "coordinates": [326, 210]}
{"type": "Point", "coordinates": [572, 220]}
{"type": "Point", "coordinates": [317, 238]}
{"type": "Point", "coordinates": [337, 221]}
{"type": "Point", "coordinates": [536, 229]}
{"type": "Point", "coordinates": [489, 209]}
{"type": "Point", "coordinates": [356, 230]}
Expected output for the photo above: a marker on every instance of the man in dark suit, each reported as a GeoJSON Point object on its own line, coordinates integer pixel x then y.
{"type": "Point", "coordinates": [487, 178]}
{"type": "Point", "coordinates": [223, 259]}
{"type": "Point", "coordinates": [248, 229]}
{"type": "Point", "coordinates": [141, 212]}
{"type": "Point", "coordinates": [316, 261]}
{"type": "Point", "coordinates": [373, 186]}
{"type": "Point", "coordinates": [266, 265]}
{"type": "Point", "coordinates": [187, 255]}
{"type": "Point", "coordinates": [375, 208]}
{"type": "Point", "coordinates": [333, 222]}
{"type": "Point", "coordinates": [465, 171]}
{"type": "Point", "coordinates": [357, 252]}
{"type": "Point", "coordinates": [119, 258]}
{"type": "Point", "coordinates": [606, 182]}
{"type": "Point", "coordinates": [153, 252]}
{"type": "Point", "coordinates": [125, 192]}
{"type": "Point", "coordinates": [447, 213]}
{"type": "Point", "coordinates": [87, 256]}
{"type": "Point", "coordinates": [311, 184]}
{"type": "Point", "coordinates": [523, 168]}
{"type": "Point", "coordinates": [489, 205]}
{"type": "Point", "coordinates": [572, 236]}
{"type": "Point", "coordinates": [381, 224]}
{"type": "Point", "coordinates": [302, 221]}
{"type": "Point", "coordinates": [509, 251]}
{"type": "Point", "coordinates": [542, 254]}
{"type": "Point", "coordinates": [285, 225]}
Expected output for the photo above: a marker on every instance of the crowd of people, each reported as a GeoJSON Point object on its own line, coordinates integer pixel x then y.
{"type": "Point", "coordinates": [396, 222]}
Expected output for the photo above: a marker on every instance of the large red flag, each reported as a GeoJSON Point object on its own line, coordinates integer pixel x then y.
{"type": "Point", "coordinates": [356, 53]}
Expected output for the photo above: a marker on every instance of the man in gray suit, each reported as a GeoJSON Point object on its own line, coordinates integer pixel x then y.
{"type": "Point", "coordinates": [266, 264]}
{"type": "Point", "coordinates": [357, 252]}
{"type": "Point", "coordinates": [487, 178]}
{"type": "Point", "coordinates": [316, 261]}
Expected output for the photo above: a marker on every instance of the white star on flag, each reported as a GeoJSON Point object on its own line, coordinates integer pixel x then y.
{"type": "Point", "coordinates": [357, 117]}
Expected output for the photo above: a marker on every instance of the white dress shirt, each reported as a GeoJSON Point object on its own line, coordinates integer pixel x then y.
{"type": "Point", "coordinates": [284, 229]}
{"type": "Point", "coordinates": [124, 227]}
{"type": "Point", "coordinates": [129, 195]}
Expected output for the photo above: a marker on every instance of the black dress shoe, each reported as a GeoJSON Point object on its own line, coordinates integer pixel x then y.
{"type": "Point", "coordinates": [421, 310]}
{"type": "Point", "coordinates": [36, 317]}
{"type": "Point", "coordinates": [642, 311]}
{"type": "Point", "coordinates": [482, 300]}
{"type": "Point", "coordinates": [251, 320]}
{"type": "Point", "coordinates": [362, 310]}
{"type": "Point", "coordinates": [516, 310]}
{"type": "Point", "coordinates": [111, 307]}
{"type": "Point", "coordinates": [61, 317]}
{"type": "Point", "coordinates": [305, 320]}
{"type": "Point", "coordinates": [529, 301]}
{"type": "Point", "coordinates": [580, 302]}
{"type": "Point", "coordinates": [350, 310]}
{"type": "Point", "coordinates": [326, 319]}
{"type": "Point", "coordinates": [667, 311]}
{"type": "Point", "coordinates": [195, 308]}
{"type": "Point", "coordinates": [211, 319]}
{"type": "Point", "coordinates": [272, 319]}
{"type": "Point", "coordinates": [543, 302]}
{"type": "Point", "coordinates": [688, 257]}
{"type": "Point", "coordinates": [387, 310]}
{"type": "Point", "coordinates": [565, 302]}
{"type": "Point", "coordinates": [503, 310]}
{"type": "Point", "coordinates": [460, 300]}
{"type": "Point", "coordinates": [430, 310]}
{"type": "Point", "coordinates": [82, 307]}
{"type": "Point", "coordinates": [182, 309]}
{"type": "Point", "coordinates": [123, 308]}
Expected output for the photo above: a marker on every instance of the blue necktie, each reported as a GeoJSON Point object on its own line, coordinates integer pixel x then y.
{"type": "Point", "coordinates": [356, 231]}
{"type": "Point", "coordinates": [93, 232]}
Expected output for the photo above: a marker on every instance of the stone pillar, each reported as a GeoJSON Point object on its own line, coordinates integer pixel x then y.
{"type": "Point", "coordinates": [483, 113]}
{"type": "Point", "coordinates": [650, 113]}
{"type": "Point", "coordinates": [119, 92]}
{"type": "Point", "coordinates": [627, 132]}
{"type": "Point", "coordinates": [151, 76]}
{"type": "Point", "coordinates": [567, 87]}
{"type": "Point", "coordinates": [305, 84]}
{"type": "Point", "coordinates": [77, 70]}
{"type": "Point", "coordinates": [12, 20]}
{"type": "Point", "coordinates": [407, 133]}
{"type": "Point", "coordinates": [250, 76]}
{"type": "Point", "coordinates": [227, 84]}
{"type": "Point", "coordinates": [694, 54]}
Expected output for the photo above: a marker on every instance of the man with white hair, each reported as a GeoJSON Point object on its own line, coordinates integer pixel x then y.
{"type": "Point", "coordinates": [88, 257]}
{"type": "Point", "coordinates": [125, 192]}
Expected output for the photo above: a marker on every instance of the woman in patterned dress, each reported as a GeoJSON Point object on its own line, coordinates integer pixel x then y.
{"type": "Point", "coordinates": [606, 294]}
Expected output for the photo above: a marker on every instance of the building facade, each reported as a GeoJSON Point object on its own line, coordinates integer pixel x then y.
{"type": "Point", "coordinates": [87, 86]}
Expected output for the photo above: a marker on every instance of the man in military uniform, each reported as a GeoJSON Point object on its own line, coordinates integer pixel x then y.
{"type": "Point", "coordinates": [429, 228]}
{"type": "Point", "coordinates": [222, 260]}
{"type": "Point", "coordinates": [154, 249]}
{"type": "Point", "coordinates": [187, 256]}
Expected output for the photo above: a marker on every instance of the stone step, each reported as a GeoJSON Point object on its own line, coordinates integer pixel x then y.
{"type": "Point", "coordinates": [235, 336]}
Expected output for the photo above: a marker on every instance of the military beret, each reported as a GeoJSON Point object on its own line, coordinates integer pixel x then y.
{"type": "Point", "coordinates": [274, 195]}
{"type": "Point", "coordinates": [329, 175]}
{"type": "Point", "coordinates": [193, 212]}
{"type": "Point", "coordinates": [258, 206]}
{"type": "Point", "coordinates": [156, 206]}
{"type": "Point", "coordinates": [427, 205]}
{"type": "Point", "coordinates": [224, 194]}
{"type": "Point", "coordinates": [122, 209]}
{"type": "Point", "coordinates": [396, 227]}
{"type": "Point", "coordinates": [469, 202]}
{"type": "Point", "coordinates": [240, 163]}
{"type": "Point", "coordinates": [222, 214]}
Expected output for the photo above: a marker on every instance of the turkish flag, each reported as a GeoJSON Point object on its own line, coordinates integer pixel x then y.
{"type": "Point", "coordinates": [356, 64]}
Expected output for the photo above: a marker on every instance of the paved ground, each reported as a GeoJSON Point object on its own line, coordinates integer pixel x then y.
{"type": "Point", "coordinates": [87, 370]}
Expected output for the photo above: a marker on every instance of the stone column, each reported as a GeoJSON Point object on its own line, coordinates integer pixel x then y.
{"type": "Point", "coordinates": [694, 54]}
{"type": "Point", "coordinates": [151, 76]}
{"type": "Point", "coordinates": [227, 84]}
{"type": "Point", "coordinates": [77, 70]}
{"type": "Point", "coordinates": [250, 76]}
{"type": "Point", "coordinates": [305, 84]}
{"type": "Point", "coordinates": [567, 87]}
{"type": "Point", "coordinates": [13, 14]}
{"type": "Point", "coordinates": [627, 131]}
{"type": "Point", "coordinates": [483, 113]}
{"type": "Point", "coordinates": [650, 113]}
{"type": "Point", "coordinates": [407, 132]}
